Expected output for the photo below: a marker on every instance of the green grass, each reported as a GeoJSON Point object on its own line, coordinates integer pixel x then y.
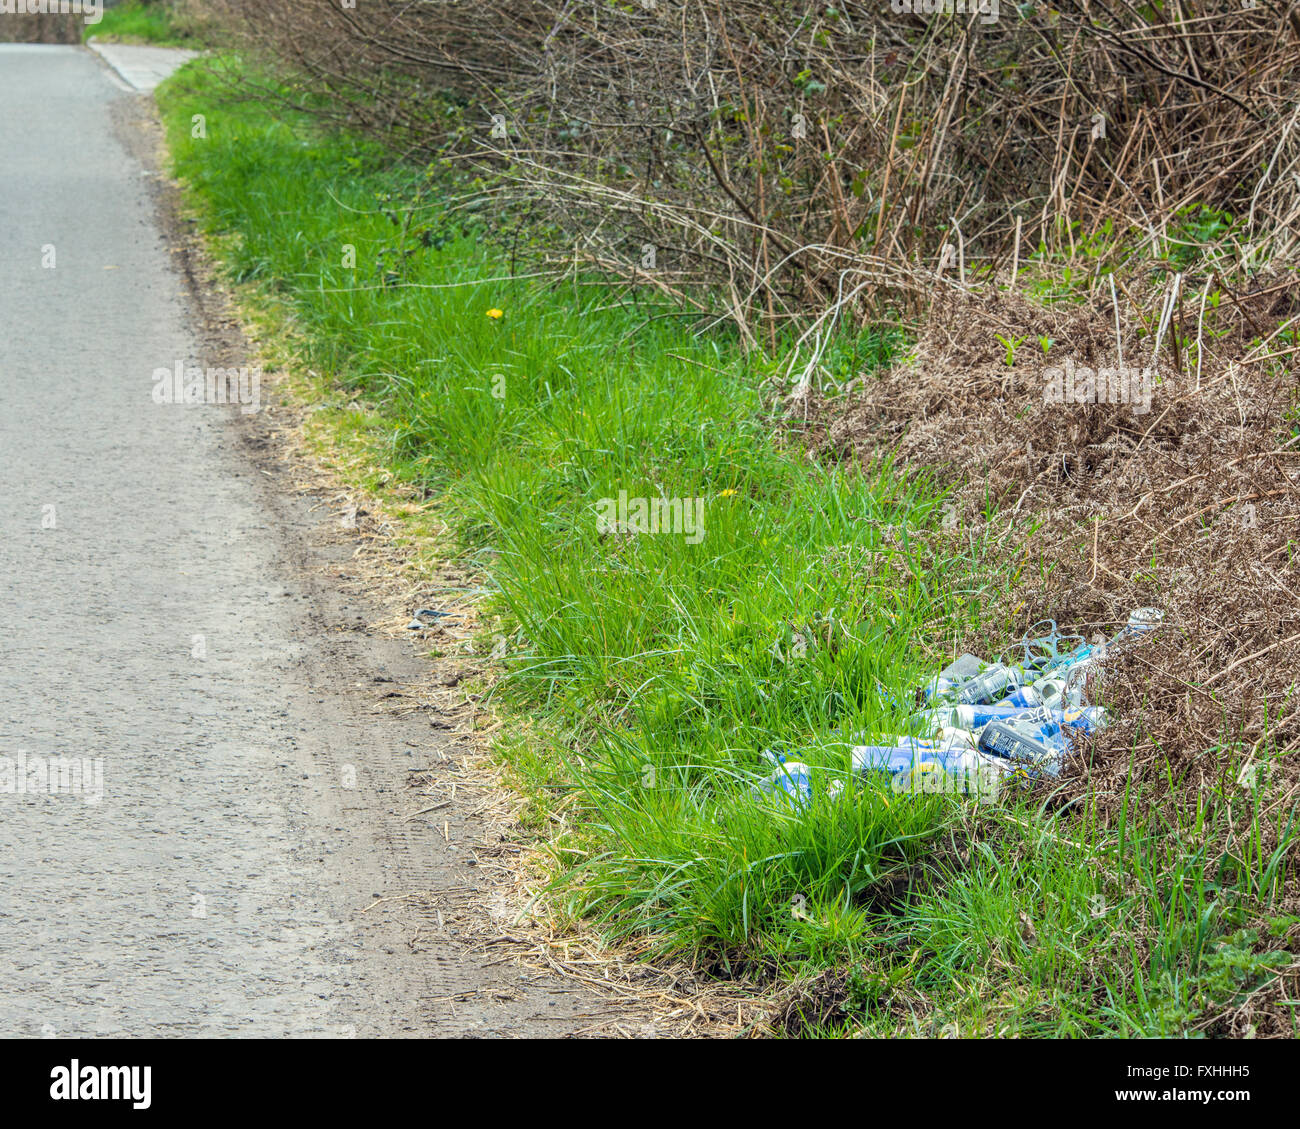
{"type": "Point", "coordinates": [1065, 929]}
{"type": "Point", "coordinates": [136, 22]}
{"type": "Point", "coordinates": [659, 665]}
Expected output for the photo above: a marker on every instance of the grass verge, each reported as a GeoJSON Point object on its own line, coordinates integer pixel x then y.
{"type": "Point", "coordinates": [781, 597]}
{"type": "Point", "coordinates": [134, 22]}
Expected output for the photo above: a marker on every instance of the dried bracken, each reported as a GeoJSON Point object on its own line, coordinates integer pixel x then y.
{"type": "Point", "coordinates": [765, 161]}
{"type": "Point", "coordinates": [1190, 503]}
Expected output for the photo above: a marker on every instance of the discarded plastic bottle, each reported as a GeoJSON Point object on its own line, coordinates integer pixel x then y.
{"type": "Point", "coordinates": [1058, 692]}
{"type": "Point", "coordinates": [908, 753]}
{"type": "Point", "coordinates": [962, 669]}
{"type": "Point", "coordinates": [976, 717]}
{"type": "Point", "coordinates": [1003, 739]}
{"type": "Point", "coordinates": [924, 766]}
{"type": "Point", "coordinates": [991, 686]}
{"type": "Point", "coordinates": [1140, 622]}
{"type": "Point", "coordinates": [1086, 719]}
{"type": "Point", "coordinates": [792, 780]}
{"type": "Point", "coordinates": [880, 758]}
{"type": "Point", "coordinates": [1063, 688]}
{"type": "Point", "coordinates": [1044, 692]}
{"type": "Point", "coordinates": [956, 737]}
{"type": "Point", "coordinates": [943, 739]}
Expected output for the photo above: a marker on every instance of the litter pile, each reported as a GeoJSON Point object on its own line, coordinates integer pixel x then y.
{"type": "Point", "coordinates": [984, 722]}
{"type": "Point", "coordinates": [1092, 509]}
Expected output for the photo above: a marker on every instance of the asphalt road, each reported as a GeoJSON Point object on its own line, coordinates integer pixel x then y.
{"type": "Point", "coordinates": [163, 620]}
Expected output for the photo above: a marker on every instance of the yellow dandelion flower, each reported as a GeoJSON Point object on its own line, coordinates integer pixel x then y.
{"type": "Point", "coordinates": [728, 493]}
{"type": "Point", "coordinates": [494, 314]}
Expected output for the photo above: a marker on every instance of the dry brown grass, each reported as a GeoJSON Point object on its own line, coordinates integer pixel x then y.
{"type": "Point", "coordinates": [787, 159]}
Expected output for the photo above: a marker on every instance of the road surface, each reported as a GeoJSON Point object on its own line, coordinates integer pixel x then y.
{"type": "Point", "coordinates": [168, 618]}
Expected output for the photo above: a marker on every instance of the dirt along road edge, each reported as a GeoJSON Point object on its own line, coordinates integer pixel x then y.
{"type": "Point", "coordinates": [292, 839]}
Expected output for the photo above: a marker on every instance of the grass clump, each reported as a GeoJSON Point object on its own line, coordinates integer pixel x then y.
{"type": "Point", "coordinates": [135, 21]}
